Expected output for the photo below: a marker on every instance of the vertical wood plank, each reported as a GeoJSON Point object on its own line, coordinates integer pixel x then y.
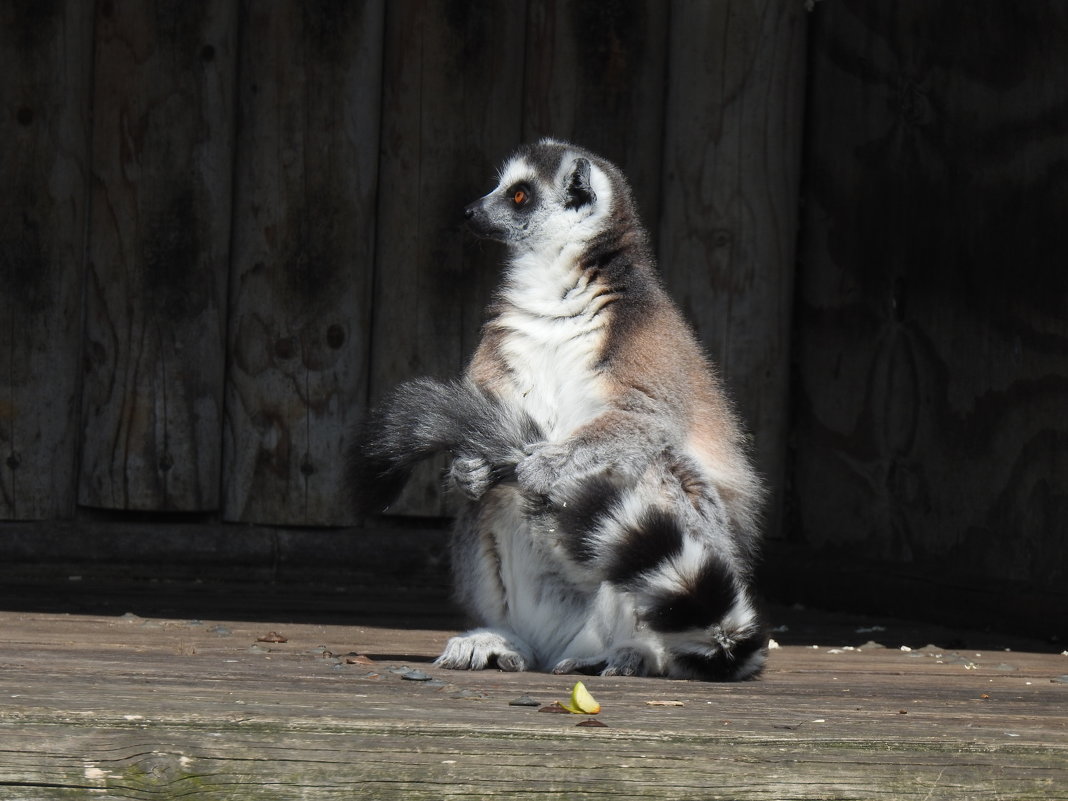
{"type": "Point", "coordinates": [46, 60]}
{"type": "Point", "coordinates": [729, 210]}
{"type": "Point", "coordinates": [595, 76]}
{"type": "Point", "coordinates": [158, 250]}
{"type": "Point", "coordinates": [303, 253]}
{"type": "Point", "coordinates": [452, 109]}
{"type": "Point", "coordinates": [933, 296]}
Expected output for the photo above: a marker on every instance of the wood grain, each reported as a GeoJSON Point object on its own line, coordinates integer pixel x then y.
{"type": "Point", "coordinates": [304, 220]}
{"type": "Point", "coordinates": [46, 60]}
{"type": "Point", "coordinates": [595, 76]}
{"type": "Point", "coordinates": [729, 209]}
{"type": "Point", "coordinates": [135, 708]}
{"type": "Point", "coordinates": [451, 111]}
{"type": "Point", "coordinates": [158, 255]}
{"type": "Point", "coordinates": [933, 299]}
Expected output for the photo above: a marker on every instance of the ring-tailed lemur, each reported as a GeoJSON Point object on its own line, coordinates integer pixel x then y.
{"type": "Point", "coordinates": [607, 519]}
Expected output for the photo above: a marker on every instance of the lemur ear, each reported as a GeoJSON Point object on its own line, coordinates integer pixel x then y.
{"type": "Point", "coordinates": [578, 189]}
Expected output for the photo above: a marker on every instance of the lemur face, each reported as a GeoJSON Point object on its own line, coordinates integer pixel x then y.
{"type": "Point", "coordinates": [544, 193]}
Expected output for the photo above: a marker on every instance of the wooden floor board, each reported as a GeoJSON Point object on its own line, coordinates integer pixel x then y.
{"type": "Point", "coordinates": [131, 706]}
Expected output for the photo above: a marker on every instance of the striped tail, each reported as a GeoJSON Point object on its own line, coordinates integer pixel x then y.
{"type": "Point", "coordinates": [669, 545]}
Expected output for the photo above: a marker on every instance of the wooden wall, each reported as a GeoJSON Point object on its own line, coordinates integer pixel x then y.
{"type": "Point", "coordinates": [728, 230]}
{"type": "Point", "coordinates": [302, 263]}
{"type": "Point", "coordinates": [228, 225]}
{"type": "Point", "coordinates": [158, 254]}
{"type": "Point", "coordinates": [270, 212]}
{"type": "Point", "coordinates": [46, 57]}
{"type": "Point", "coordinates": [931, 393]}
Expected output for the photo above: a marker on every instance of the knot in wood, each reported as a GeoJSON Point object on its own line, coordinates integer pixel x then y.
{"type": "Point", "coordinates": [335, 336]}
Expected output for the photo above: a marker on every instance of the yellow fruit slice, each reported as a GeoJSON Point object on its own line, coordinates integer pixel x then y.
{"type": "Point", "coordinates": [581, 703]}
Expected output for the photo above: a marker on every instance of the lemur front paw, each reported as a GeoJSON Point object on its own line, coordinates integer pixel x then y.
{"type": "Point", "coordinates": [471, 475]}
{"type": "Point", "coordinates": [481, 648]}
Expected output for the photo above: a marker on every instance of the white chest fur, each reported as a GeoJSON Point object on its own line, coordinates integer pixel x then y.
{"type": "Point", "coordinates": [554, 327]}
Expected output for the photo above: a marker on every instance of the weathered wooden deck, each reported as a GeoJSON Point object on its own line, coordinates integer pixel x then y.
{"type": "Point", "coordinates": [137, 705]}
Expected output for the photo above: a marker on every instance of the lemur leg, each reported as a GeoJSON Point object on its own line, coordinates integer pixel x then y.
{"type": "Point", "coordinates": [478, 589]}
{"type": "Point", "coordinates": [610, 643]}
{"type": "Point", "coordinates": [624, 660]}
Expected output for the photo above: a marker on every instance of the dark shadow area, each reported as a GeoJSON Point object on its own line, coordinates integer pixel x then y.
{"type": "Point", "coordinates": [812, 626]}
{"type": "Point", "coordinates": [383, 576]}
{"type": "Point", "coordinates": [389, 604]}
{"type": "Point", "coordinates": [393, 606]}
{"type": "Point", "coordinates": [398, 577]}
{"type": "Point", "coordinates": [938, 595]}
{"type": "Point", "coordinates": [409, 658]}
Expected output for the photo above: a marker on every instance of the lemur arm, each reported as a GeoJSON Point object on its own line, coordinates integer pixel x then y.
{"type": "Point", "coordinates": [620, 442]}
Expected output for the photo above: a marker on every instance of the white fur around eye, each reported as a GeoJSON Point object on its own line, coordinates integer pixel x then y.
{"type": "Point", "coordinates": [514, 172]}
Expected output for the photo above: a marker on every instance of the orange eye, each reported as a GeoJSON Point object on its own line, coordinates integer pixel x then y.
{"type": "Point", "coordinates": [520, 197]}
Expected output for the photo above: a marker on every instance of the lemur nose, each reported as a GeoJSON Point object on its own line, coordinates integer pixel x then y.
{"type": "Point", "coordinates": [469, 212]}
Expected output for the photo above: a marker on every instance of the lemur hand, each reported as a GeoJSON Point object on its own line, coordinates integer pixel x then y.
{"type": "Point", "coordinates": [549, 468]}
{"type": "Point", "coordinates": [471, 475]}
